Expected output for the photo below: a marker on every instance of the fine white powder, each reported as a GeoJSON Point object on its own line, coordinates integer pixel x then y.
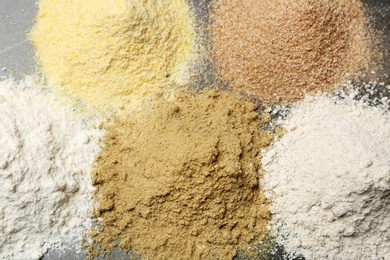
{"type": "Point", "coordinates": [45, 156]}
{"type": "Point", "coordinates": [328, 179]}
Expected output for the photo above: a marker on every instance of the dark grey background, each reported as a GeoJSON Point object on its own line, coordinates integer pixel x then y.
{"type": "Point", "coordinates": [17, 60]}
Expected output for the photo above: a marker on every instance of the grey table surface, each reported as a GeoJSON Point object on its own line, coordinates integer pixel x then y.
{"type": "Point", "coordinates": [17, 60]}
{"type": "Point", "coordinates": [16, 54]}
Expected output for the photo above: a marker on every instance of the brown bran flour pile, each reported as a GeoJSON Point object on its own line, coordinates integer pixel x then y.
{"type": "Point", "coordinates": [278, 50]}
{"type": "Point", "coordinates": [181, 180]}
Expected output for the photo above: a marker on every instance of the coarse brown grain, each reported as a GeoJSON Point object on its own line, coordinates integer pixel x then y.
{"type": "Point", "coordinates": [181, 181]}
{"type": "Point", "coordinates": [278, 50]}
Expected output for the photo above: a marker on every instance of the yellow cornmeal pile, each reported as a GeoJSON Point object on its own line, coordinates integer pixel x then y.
{"type": "Point", "coordinates": [181, 180]}
{"type": "Point", "coordinates": [111, 53]}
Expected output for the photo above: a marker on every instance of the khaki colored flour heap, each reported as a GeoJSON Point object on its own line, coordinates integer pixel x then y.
{"type": "Point", "coordinates": [111, 53]}
{"type": "Point", "coordinates": [278, 50]}
{"type": "Point", "coordinates": [181, 181]}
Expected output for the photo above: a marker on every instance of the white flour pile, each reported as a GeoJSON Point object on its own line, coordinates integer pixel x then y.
{"type": "Point", "coordinates": [45, 156]}
{"type": "Point", "coordinates": [329, 180]}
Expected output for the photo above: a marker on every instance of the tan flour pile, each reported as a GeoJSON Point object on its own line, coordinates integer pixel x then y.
{"type": "Point", "coordinates": [181, 181]}
{"type": "Point", "coordinates": [278, 50]}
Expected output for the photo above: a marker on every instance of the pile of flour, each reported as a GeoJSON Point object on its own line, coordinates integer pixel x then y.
{"type": "Point", "coordinates": [328, 179]}
{"type": "Point", "coordinates": [45, 156]}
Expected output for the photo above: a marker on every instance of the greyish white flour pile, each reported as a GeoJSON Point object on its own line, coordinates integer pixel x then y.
{"type": "Point", "coordinates": [329, 179]}
{"type": "Point", "coordinates": [45, 155]}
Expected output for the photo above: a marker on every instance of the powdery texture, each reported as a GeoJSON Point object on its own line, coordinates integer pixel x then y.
{"type": "Point", "coordinates": [45, 154]}
{"type": "Point", "coordinates": [278, 50]}
{"type": "Point", "coordinates": [329, 180]}
{"type": "Point", "coordinates": [112, 53]}
{"type": "Point", "coordinates": [181, 181]}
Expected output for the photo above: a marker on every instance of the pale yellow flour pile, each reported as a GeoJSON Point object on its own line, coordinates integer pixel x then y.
{"type": "Point", "coordinates": [109, 54]}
